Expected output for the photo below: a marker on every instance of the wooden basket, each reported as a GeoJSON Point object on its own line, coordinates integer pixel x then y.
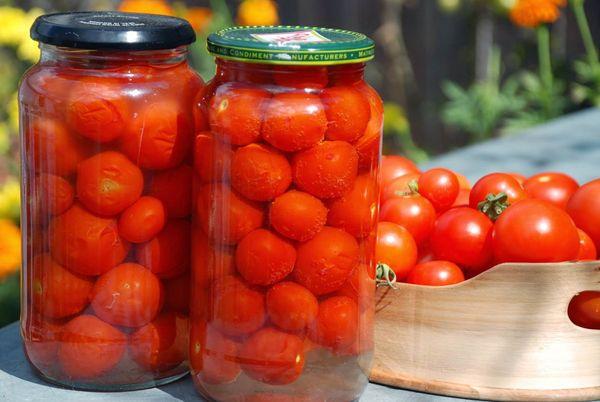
{"type": "Point", "coordinates": [503, 335]}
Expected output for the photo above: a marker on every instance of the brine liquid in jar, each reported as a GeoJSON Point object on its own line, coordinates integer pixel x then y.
{"type": "Point", "coordinates": [285, 206]}
{"type": "Point", "coordinates": [106, 138]}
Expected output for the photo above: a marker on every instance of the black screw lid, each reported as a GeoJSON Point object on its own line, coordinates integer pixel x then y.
{"type": "Point", "coordinates": [111, 30]}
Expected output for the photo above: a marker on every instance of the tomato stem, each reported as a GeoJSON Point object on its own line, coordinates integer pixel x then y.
{"type": "Point", "coordinates": [494, 205]}
{"type": "Point", "coordinates": [413, 186]}
{"type": "Point", "coordinates": [385, 276]}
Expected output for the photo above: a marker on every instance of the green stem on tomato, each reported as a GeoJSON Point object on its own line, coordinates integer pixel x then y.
{"type": "Point", "coordinates": [385, 275]}
{"type": "Point", "coordinates": [584, 29]}
{"type": "Point", "coordinates": [546, 77]}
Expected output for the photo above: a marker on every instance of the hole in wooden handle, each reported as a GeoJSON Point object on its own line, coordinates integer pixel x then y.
{"type": "Point", "coordinates": [584, 309]}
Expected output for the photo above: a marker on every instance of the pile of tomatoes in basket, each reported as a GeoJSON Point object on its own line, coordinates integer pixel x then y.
{"type": "Point", "coordinates": [436, 229]}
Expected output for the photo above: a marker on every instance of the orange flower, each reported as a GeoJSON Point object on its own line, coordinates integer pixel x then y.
{"type": "Point", "coordinates": [10, 248]}
{"type": "Point", "coordinates": [199, 17]}
{"type": "Point", "coordinates": [531, 13]}
{"type": "Point", "coordinates": [257, 12]}
{"type": "Point", "coordinates": [146, 6]}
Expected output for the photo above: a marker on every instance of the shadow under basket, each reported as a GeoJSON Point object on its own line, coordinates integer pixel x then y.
{"type": "Point", "coordinates": [503, 335]}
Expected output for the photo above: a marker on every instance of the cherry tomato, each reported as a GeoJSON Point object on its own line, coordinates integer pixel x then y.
{"type": "Point", "coordinates": [174, 188]}
{"type": "Point", "coordinates": [143, 220]}
{"type": "Point", "coordinates": [435, 273]}
{"type": "Point", "coordinates": [440, 187]}
{"type": "Point", "coordinates": [300, 77]}
{"type": "Point", "coordinates": [225, 216]}
{"type": "Point", "coordinates": [326, 261]}
{"type": "Point", "coordinates": [41, 339]}
{"type": "Point", "coordinates": [177, 293]}
{"type": "Point", "coordinates": [297, 215]}
{"type": "Point", "coordinates": [360, 287]}
{"type": "Point", "coordinates": [259, 172]}
{"type": "Point", "coordinates": [58, 292]}
{"type": "Point", "coordinates": [161, 344]}
{"type": "Point", "coordinates": [210, 261]}
{"type": "Point", "coordinates": [496, 183]}
{"type": "Point", "coordinates": [294, 121]}
{"type": "Point", "coordinates": [236, 113]}
{"type": "Point", "coordinates": [462, 200]}
{"type": "Point", "coordinates": [54, 149]}
{"type": "Point", "coordinates": [584, 208]}
{"type": "Point", "coordinates": [556, 188]}
{"type": "Point", "coordinates": [463, 236]}
{"type": "Point", "coordinates": [237, 309]}
{"type": "Point", "coordinates": [394, 166]}
{"type": "Point", "coordinates": [86, 243]}
{"type": "Point", "coordinates": [212, 159]}
{"type": "Point", "coordinates": [108, 182]}
{"type": "Point", "coordinates": [291, 307]}
{"type": "Point", "coordinates": [272, 357]}
{"type": "Point", "coordinates": [535, 231]}
{"type": "Point", "coordinates": [213, 357]}
{"type": "Point", "coordinates": [518, 177]}
{"type": "Point", "coordinates": [413, 212]}
{"type": "Point", "coordinates": [55, 194]}
{"type": "Point", "coordinates": [398, 187]}
{"type": "Point", "coordinates": [355, 210]}
{"type": "Point", "coordinates": [395, 248]}
{"type": "Point", "coordinates": [369, 145]}
{"type": "Point", "coordinates": [584, 309]}
{"type": "Point", "coordinates": [327, 170]}
{"type": "Point", "coordinates": [336, 326]}
{"type": "Point", "coordinates": [98, 109]}
{"type": "Point", "coordinates": [129, 295]}
{"type": "Point", "coordinates": [89, 347]}
{"type": "Point", "coordinates": [345, 74]}
{"type": "Point", "coordinates": [167, 254]}
{"type": "Point", "coordinates": [587, 249]}
{"type": "Point", "coordinates": [160, 136]}
{"type": "Point", "coordinates": [348, 113]}
{"type": "Point", "coordinates": [463, 182]}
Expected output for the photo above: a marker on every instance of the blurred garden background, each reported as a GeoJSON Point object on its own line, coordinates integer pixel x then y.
{"type": "Point", "coordinates": [451, 72]}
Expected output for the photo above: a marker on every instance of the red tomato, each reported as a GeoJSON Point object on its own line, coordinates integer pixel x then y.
{"type": "Point", "coordinates": [291, 307]}
{"type": "Point", "coordinates": [300, 77]}
{"type": "Point", "coordinates": [368, 146]}
{"type": "Point", "coordinates": [462, 200]}
{"type": "Point", "coordinates": [54, 149]}
{"type": "Point", "coordinates": [108, 182]}
{"type": "Point", "coordinates": [556, 188]}
{"type": "Point", "coordinates": [355, 210]}
{"type": "Point", "coordinates": [89, 348]}
{"type": "Point", "coordinates": [225, 216]}
{"type": "Point", "coordinates": [86, 243]}
{"type": "Point", "coordinates": [160, 136]}
{"type": "Point", "coordinates": [161, 344]}
{"type": "Point", "coordinates": [360, 287]}
{"type": "Point", "coordinates": [259, 172]}
{"type": "Point", "coordinates": [398, 187]}
{"type": "Point", "coordinates": [212, 159]}
{"type": "Point", "coordinates": [518, 177]}
{"type": "Point", "coordinates": [440, 187]}
{"type": "Point", "coordinates": [98, 109]}
{"type": "Point", "coordinates": [58, 292]}
{"type": "Point", "coordinates": [263, 258]}
{"type": "Point", "coordinates": [496, 183]}
{"type": "Point", "coordinates": [326, 170]}
{"type": "Point", "coordinates": [294, 121]}
{"type": "Point", "coordinates": [272, 357]}
{"type": "Point", "coordinates": [463, 236]}
{"type": "Point", "coordinates": [143, 220]}
{"type": "Point", "coordinates": [345, 74]}
{"type": "Point", "coordinates": [174, 188]}
{"type": "Point", "coordinates": [297, 215]}
{"type": "Point", "coordinates": [395, 248]}
{"type": "Point", "coordinates": [54, 194]}
{"type": "Point", "coordinates": [213, 358]}
{"type": "Point", "coordinates": [535, 231]}
{"type": "Point", "coordinates": [413, 212]}
{"type": "Point", "coordinates": [210, 261]}
{"type": "Point", "coordinates": [236, 113]}
{"type": "Point", "coordinates": [326, 261]}
{"type": "Point", "coordinates": [463, 182]}
{"type": "Point", "coordinates": [41, 338]}
{"type": "Point", "coordinates": [435, 273]}
{"type": "Point", "coordinates": [336, 326]}
{"type": "Point", "coordinates": [587, 249]}
{"type": "Point", "coordinates": [394, 166]}
{"type": "Point", "coordinates": [584, 208]}
{"type": "Point", "coordinates": [128, 295]}
{"type": "Point", "coordinates": [584, 309]}
{"type": "Point", "coordinates": [348, 113]}
{"type": "Point", "coordinates": [237, 309]}
{"type": "Point", "coordinates": [167, 255]}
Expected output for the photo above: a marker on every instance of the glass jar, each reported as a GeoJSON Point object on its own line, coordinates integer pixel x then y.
{"type": "Point", "coordinates": [286, 194]}
{"type": "Point", "coordinates": [106, 138]}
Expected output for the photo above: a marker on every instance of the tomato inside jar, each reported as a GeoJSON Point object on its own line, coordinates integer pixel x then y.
{"type": "Point", "coordinates": [284, 212]}
{"type": "Point", "coordinates": [107, 128]}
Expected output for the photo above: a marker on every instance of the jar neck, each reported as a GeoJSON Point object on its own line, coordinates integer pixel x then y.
{"type": "Point", "coordinates": [81, 58]}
